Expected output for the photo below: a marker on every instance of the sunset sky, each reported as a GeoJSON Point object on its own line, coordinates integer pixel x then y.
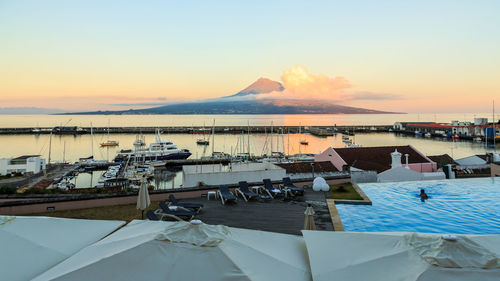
{"type": "Point", "coordinates": [411, 56]}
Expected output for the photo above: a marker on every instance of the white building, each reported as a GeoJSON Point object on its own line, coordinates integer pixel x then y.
{"type": "Point", "coordinates": [23, 164]}
{"type": "Point", "coordinates": [473, 162]}
{"type": "Point", "coordinates": [196, 175]}
{"type": "Point", "coordinates": [398, 172]}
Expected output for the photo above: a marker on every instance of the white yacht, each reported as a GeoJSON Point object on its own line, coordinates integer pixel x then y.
{"type": "Point", "coordinates": [157, 151]}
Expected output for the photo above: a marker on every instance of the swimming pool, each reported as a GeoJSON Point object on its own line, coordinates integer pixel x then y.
{"type": "Point", "coordinates": [461, 206]}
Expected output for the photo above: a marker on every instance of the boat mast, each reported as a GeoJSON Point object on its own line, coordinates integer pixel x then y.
{"type": "Point", "coordinates": [64, 152]}
{"type": "Point", "coordinates": [300, 132]}
{"type": "Point", "coordinates": [494, 128]}
{"type": "Point", "coordinates": [248, 139]}
{"type": "Point", "coordinates": [50, 145]}
{"type": "Point", "coordinates": [283, 139]}
{"type": "Point", "coordinates": [271, 137]}
{"type": "Point", "coordinates": [91, 140]}
{"type": "Point", "coordinates": [288, 143]}
{"type": "Point", "coordinates": [264, 148]}
{"type": "Point", "coordinates": [213, 138]}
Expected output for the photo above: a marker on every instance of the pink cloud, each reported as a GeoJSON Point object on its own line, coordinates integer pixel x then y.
{"type": "Point", "coordinates": [300, 84]}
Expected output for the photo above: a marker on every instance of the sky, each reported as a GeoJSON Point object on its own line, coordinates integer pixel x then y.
{"type": "Point", "coordinates": [407, 56]}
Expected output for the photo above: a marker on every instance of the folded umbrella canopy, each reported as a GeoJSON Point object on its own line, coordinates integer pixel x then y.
{"type": "Point", "coordinates": [309, 218]}
{"type": "Point", "coordinates": [31, 245]}
{"type": "Point", "coordinates": [158, 250]}
{"type": "Point", "coordinates": [143, 200]}
{"type": "Point", "coordinates": [402, 256]}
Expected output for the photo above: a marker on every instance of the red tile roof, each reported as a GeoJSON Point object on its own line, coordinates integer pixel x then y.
{"type": "Point", "coordinates": [378, 158]}
{"type": "Point", "coordinates": [442, 160]}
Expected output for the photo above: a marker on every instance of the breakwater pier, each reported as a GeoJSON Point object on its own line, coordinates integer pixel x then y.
{"type": "Point", "coordinates": [315, 130]}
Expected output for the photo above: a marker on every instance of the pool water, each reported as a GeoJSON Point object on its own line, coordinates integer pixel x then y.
{"type": "Point", "coordinates": [461, 206]}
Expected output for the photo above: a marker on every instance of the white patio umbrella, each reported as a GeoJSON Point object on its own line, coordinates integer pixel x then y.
{"type": "Point", "coordinates": [158, 250]}
{"type": "Point", "coordinates": [31, 245]}
{"type": "Point", "coordinates": [143, 200]}
{"type": "Point", "coordinates": [402, 256]}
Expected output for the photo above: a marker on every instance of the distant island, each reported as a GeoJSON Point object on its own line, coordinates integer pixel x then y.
{"type": "Point", "coordinates": [251, 100]}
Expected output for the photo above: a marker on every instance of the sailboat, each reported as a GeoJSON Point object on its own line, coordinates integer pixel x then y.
{"type": "Point", "coordinates": [203, 141]}
{"type": "Point", "coordinates": [302, 142]}
{"type": "Point", "coordinates": [109, 142]}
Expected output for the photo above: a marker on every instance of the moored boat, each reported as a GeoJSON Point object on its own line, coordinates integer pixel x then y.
{"type": "Point", "coordinates": [158, 151]}
{"type": "Point", "coordinates": [110, 143]}
{"type": "Point", "coordinates": [202, 142]}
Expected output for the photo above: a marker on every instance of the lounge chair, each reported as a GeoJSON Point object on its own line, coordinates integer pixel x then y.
{"type": "Point", "coordinates": [177, 213]}
{"type": "Point", "coordinates": [152, 216]}
{"type": "Point", "coordinates": [288, 185]}
{"type": "Point", "coordinates": [225, 195]}
{"type": "Point", "coordinates": [245, 192]}
{"type": "Point", "coordinates": [194, 206]}
{"type": "Point", "coordinates": [271, 190]}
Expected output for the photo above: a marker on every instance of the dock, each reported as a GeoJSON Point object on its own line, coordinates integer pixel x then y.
{"type": "Point", "coordinates": [171, 163]}
{"type": "Point", "coordinates": [315, 130]}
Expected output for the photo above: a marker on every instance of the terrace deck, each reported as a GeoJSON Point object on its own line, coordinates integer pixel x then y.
{"type": "Point", "coordinates": [275, 215]}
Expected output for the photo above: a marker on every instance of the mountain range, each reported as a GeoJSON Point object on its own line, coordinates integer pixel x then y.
{"type": "Point", "coordinates": [251, 100]}
{"type": "Point", "coordinates": [28, 110]}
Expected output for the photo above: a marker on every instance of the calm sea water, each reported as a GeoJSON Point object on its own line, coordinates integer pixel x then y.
{"type": "Point", "coordinates": [71, 148]}
{"type": "Point", "coordinates": [9, 121]}
{"type": "Point", "coordinates": [462, 206]}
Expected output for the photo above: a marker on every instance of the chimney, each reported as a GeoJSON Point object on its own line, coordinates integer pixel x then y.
{"type": "Point", "coordinates": [396, 159]}
{"type": "Point", "coordinates": [406, 156]}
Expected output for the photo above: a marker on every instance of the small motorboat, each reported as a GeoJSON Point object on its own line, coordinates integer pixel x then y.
{"type": "Point", "coordinates": [110, 143]}
{"type": "Point", "coordinates": [202, 142]}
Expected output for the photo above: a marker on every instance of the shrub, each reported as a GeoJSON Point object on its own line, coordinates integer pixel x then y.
{"type": "Point", "coordinates": [35, 190]}
{"type": "Point", "coordinates": [7, 189]}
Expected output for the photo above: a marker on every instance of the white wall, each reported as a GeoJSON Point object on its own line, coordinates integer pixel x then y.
{"type": "Point", "coordinates": [404, 174]}
{"type": "Point", "coordinates": [495, 170]}
{"type": "Point", "coordinates": [399, 174]}
{"type": "Point", "coordinates": [3, 166]}
{"type": "Point", "coordinates": [255, 172]}
{"type": "Point", "coordinates": [33, 165]}
{"type": "Point", "coordinates": [360, 176]}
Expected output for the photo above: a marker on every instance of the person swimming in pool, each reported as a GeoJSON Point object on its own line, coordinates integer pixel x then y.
{"type": "Point", "coordinates": [423, 195]}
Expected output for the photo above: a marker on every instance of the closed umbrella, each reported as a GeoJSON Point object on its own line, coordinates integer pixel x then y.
{"type": "Point", "coordinates": [159, 250]}
{"type": "Point", "coordinates": [143, 200]}
{"type": "Point", "coordinates": [309, 219]}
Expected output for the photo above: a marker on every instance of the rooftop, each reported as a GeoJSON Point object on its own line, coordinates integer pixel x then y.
{"type": "Point", "coordinates": [377, 158]}
{"type": "Point", "coordinates": [443, 159]}
{"type": "Point", "coordinates": [303, 167]}
{"type": "Point", "coordinates": [25, 157]}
